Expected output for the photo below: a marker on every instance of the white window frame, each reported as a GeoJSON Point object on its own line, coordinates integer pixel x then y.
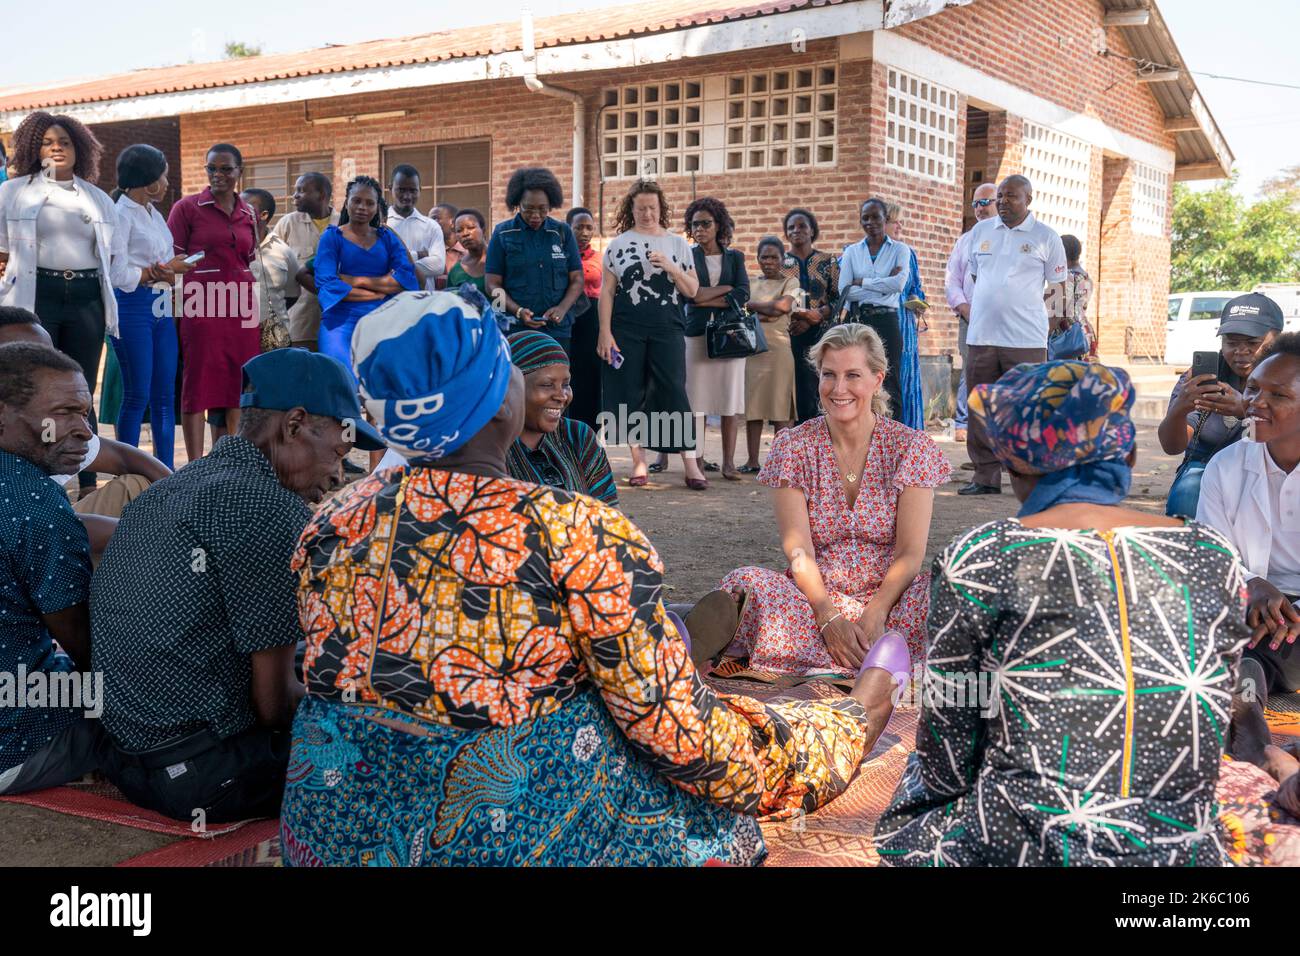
{"type": "Point", "coordinates": [920, 126]}
{"type": "Point", "coordinates": [759, 120]}
{"type": "Point", "coordinates": [1059, 168]}
{"type": "Point", "coordinates": [1150, 199]}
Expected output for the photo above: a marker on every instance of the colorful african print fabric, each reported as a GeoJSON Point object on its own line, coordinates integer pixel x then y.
{"type": "Point", "coordinates": [1076, 697]}
{"type": "Point", "coordinates": [519, 630]}
{"type": "Point", "coordinates": [570, 458]}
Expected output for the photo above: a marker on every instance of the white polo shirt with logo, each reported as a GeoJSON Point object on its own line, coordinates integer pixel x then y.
{"type": "Point", "coordinates": [1012, 268]}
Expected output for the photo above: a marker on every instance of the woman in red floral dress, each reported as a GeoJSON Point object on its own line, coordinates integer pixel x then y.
{"type": "Point", "coordinates": [853, 495]}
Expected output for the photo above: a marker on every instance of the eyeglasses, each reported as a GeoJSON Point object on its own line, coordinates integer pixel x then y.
{"type": "Point", "coordinates": [226, 170]}
{"type": "Point", "coordinates": [981, 203]}
{"type": "Point", "coordinates": [701, 223]}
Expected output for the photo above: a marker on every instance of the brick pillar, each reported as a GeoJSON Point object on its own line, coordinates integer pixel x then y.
{"type": "Point", "coordinates": [1005, 151]}
{"type": "Point", "coordinates": [1122, 326]}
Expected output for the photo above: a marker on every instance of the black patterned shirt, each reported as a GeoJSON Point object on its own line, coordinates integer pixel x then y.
{"type": "Point", "coordinates": [44, 568]}
{"type": "Point", "coordinates": [194, 581]}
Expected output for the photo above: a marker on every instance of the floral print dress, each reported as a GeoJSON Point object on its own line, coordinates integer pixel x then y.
{"type": "Point", "coordinates": [1076, 700]}
{"type": "Point", "coordinates": [854, 546]}
{"type": "Point", "coordinates": [554, 716]}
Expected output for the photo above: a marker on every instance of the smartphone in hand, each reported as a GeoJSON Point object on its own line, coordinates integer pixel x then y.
{"type": "Point", "coordinates": [196, 258]}
{"type": "Point", "coordinates": [1205, 363]}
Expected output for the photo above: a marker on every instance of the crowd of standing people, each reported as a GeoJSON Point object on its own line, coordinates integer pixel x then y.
{"type": "Point", "coordinates": [477, 604]}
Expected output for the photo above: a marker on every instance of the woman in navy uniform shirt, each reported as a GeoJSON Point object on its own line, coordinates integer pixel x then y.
{"type": "Point", "coordinates": [533, 269]}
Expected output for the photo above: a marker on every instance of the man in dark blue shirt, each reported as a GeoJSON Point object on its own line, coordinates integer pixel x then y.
{"type": "Point", "coordinates": [45, 694]}
{"type": "Point", "coordinates": [194, 607]}
{"type": "Point", "coordinates": [533, 270]}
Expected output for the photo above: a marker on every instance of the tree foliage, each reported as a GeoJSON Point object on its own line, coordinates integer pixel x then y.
{"type": "Point", "coordinates": [1221, 241]}
{"type": "Point", "coordinates": [236, 50]}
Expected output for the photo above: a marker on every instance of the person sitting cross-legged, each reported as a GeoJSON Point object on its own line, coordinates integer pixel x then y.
{"type": "Point", "coordinates": [133, 470]}
{"type": "Point", "coordinates": [492, 677]}
{"type": "Point", "coordinates": [192, 610]}
{"type": "Point", "coordinates": [1080, 673]}
{"type": "Point", "coordinates": [44, 566]}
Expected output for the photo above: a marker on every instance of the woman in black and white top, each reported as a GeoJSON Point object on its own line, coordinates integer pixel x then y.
{"type": "Point", "coordinates": [648, 274]}
{"type": "Point", "coordinates": [715, 386]}
{"type": "Point", "coordinates": [56, 239]}
{"type": "Point", "coordinates": [144, 267]}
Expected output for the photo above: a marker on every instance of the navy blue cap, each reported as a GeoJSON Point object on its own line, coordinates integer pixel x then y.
{"type": "Point", "coordinates": [1254, 315]}
{"type": "Point", "coordinates": [295, 378]}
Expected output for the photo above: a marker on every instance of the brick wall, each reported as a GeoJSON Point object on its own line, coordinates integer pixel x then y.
{"type": "Point", "coordinates": [165, 134]}
{"type": "Point", "coordinates": [1044, 50]}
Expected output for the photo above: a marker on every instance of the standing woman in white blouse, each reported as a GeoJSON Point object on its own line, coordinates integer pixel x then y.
{"type": "Point", "coordinates": [143, 270]}
{"type": "Point", "coordinates": [56, 239]}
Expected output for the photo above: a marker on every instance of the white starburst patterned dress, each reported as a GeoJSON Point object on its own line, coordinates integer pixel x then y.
{"type": "Point", "coordinates": [1077, 698]}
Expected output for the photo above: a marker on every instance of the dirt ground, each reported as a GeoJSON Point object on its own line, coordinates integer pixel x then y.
{"type": "Point", "coordinates": [700, 536]}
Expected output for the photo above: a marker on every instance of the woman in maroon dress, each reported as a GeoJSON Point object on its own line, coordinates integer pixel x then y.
{"type": "Point", "coordinates": [217, 307]}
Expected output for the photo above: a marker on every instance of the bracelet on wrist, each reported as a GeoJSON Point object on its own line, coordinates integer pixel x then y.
{"type": "Point", "coordinates": [829, 622]}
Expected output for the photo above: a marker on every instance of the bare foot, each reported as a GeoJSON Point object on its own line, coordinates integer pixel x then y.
{"type": "Point", "coordinates": [874, 690]}
{"type": "Point", "coordinates": [1279, 764]}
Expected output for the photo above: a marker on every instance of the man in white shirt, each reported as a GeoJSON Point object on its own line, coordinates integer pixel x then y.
{"type": "Point", "coordinates": [1250, 494]}
{"type": "Point", "coordinates": [422, 235]}
{"type": "Point", "coordinates": [1013, 259]}
{"type": "Point", "coordinates": [959, 285]}
{"type": "Point", "coordinates": [301, 230]}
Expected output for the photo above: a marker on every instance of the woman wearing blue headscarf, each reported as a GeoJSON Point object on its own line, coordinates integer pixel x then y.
{"type": "Point", "coordinates": [1082, 659]}
{"type": "Point", "coordinates": [491, 676]}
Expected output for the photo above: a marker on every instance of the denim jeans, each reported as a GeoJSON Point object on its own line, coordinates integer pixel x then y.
{"type": "Point", "coordinates": [1185, 492]}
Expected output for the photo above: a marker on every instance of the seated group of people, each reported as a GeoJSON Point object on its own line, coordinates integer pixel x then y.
{"type": "Point", "coordinates": [488, 673]}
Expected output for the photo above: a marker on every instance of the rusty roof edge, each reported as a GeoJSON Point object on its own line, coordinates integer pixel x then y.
{"type": "Point", "coordinates": [1214, 138]}
{"type": "Point", "coordinates": [679, 22]}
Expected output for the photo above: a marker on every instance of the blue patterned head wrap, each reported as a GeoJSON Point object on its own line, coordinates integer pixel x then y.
{"type": "Point", "coordinates": [432, 370]}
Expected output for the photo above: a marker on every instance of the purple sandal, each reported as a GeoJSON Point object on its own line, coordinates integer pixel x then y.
{"type": "Point", "coordinates": [890, 654]}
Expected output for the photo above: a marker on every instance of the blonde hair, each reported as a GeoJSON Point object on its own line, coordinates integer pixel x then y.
{"type": "Point", "coordinates": [893, 212]}
{"type": "Point", "coordinates": [854, 334]}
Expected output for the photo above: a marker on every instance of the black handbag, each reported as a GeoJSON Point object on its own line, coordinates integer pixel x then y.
{"type": "Point", "coordinates": [733, 332]}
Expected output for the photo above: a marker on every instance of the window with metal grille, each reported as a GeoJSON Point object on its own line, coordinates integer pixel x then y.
{"type": "Point", "coordinates": [277, 176]}
{"type": "Point", "coordinates": [1150, 199]}
{"type": "Point", "coordinates": [1058, 167]}
{"type": "Point", "coordinates": [762, 119]}
{"type": "Point", "coordinates": [456, 173]}
{"type": "Point", "coordinates": [921, 127]}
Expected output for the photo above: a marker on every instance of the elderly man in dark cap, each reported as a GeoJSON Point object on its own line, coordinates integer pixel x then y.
{"type": "Point", "coordinates": [193, 610]}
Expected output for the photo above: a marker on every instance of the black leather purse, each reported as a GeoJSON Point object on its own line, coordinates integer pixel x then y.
{"type": "Point", "coordinates": [734, 332]}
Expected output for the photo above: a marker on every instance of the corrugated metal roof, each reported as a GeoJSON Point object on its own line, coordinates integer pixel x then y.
{"type": "Point", "coordinates": [655, 16]}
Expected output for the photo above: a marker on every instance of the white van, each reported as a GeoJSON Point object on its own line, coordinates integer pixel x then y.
{"type": "Point", "coordinates": [1194, 318]}
{"type": "Point", "coordinates": [1193, 322]}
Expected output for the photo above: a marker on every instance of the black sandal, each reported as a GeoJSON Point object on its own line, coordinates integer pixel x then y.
{"type": "Point", "coordinates": [750, 469]}
{"type": "Point", "coordinates": [658, 468]}
{"type": "Point", "coordinates": [708, 465]}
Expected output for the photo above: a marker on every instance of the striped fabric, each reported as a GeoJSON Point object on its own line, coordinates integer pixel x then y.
{"type": "Point", "coordinates": [570, 458]}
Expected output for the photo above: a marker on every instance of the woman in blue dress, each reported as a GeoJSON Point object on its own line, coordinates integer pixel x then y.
{"type": "Point", "coordinates": [359, 265]}
{"type": "Point", "coordinates": [911, 404]}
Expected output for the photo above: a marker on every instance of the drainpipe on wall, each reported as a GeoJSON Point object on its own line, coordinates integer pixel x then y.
{"type": "Point", "coordinates": [534, 83]}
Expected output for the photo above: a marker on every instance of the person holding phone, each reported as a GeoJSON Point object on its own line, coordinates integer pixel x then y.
{"type": "Point", "coordinates": [1207, 410]}
{"type": "Point", "coordinates": [649, 273]}
{"type": "Point", "coordinates": [219, 327]}
{"type": "Point", "coordinates": [144, 267]}
{"type": "Point", "coordinates": [534, 270]}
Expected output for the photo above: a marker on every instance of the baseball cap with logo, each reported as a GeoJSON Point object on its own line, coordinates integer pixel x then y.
{"type": "Point", "coordinates": [1254, 315]}
{"type": "Point", "coordinates": [295, 378]}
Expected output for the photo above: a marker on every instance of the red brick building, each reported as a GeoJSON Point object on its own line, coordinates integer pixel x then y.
{"type": "Point", "coordinates": [818, 103]}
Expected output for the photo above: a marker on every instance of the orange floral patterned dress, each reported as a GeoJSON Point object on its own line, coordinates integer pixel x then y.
{"type": "Point", "coordinates": [555, 714]}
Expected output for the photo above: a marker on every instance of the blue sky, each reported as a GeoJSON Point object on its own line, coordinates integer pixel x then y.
{"type": "Point", "coordinates": [1262, 124]}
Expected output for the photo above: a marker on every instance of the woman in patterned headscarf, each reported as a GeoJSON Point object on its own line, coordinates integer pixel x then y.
{"type": "Point", "coordinates": [1080, 673]}
{"type": "Point", "coordinates": [491, 675]}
